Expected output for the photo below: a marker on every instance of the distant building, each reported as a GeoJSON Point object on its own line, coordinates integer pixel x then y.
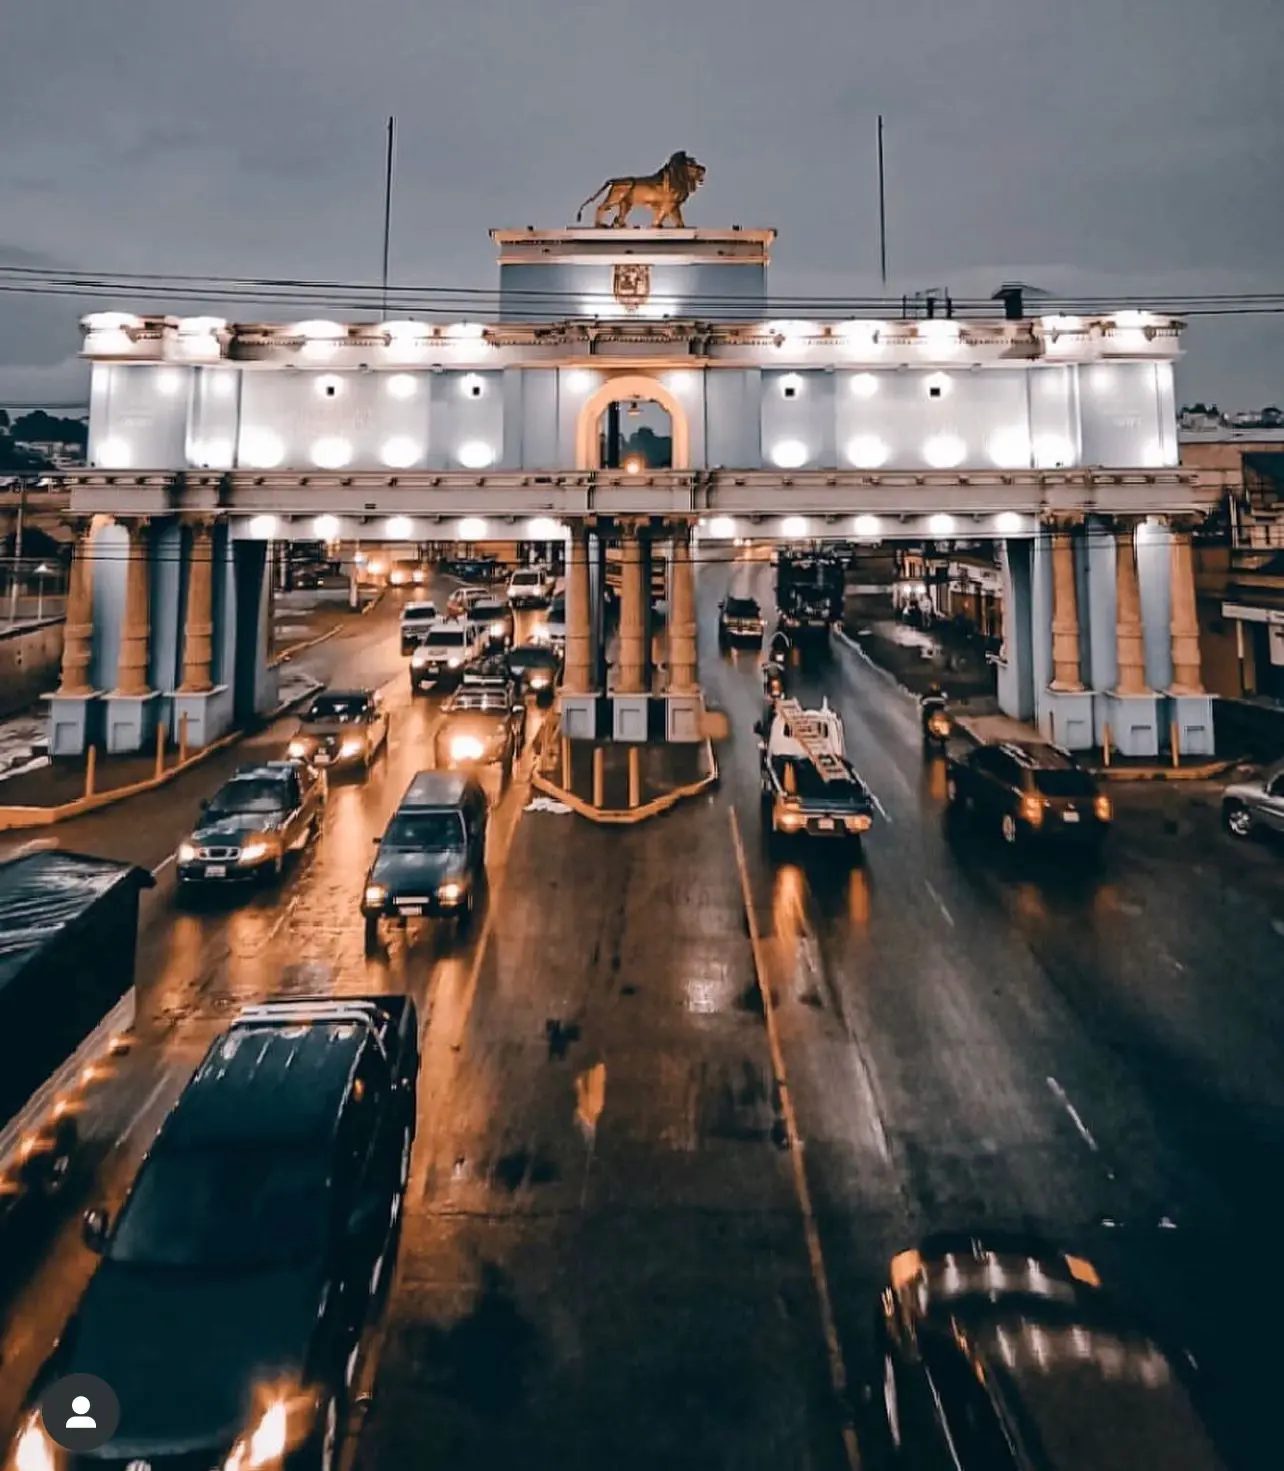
{"type": "Point", "coordinates": [62, 456]}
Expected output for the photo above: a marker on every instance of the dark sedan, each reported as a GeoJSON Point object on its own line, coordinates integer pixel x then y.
{"type": "Point", "coordinates": [342, 728]}
{"type": "Point", "coordinates": [251, 823]}
{"type": "Point", "coordinates": [740, 621]}
{"type": "Point", "coordinates": [1028, 790]}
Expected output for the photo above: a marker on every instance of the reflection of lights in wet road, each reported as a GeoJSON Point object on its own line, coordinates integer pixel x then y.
{"type": "Point", "coordinates": [858, 896]}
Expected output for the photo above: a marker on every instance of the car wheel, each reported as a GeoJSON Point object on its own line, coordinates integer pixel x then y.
{"type": "Point", "coordinates": [464, 919]}
{"type": "Point", "coordinates": [372, 934]}
{"type": "Point", "coordinates": [1011, 832]}
{"type": "Point", "coordinates": [1237, 820]}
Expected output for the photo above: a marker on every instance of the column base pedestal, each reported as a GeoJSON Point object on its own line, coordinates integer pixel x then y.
{"type": "Point", "coordinates": [130, 722]}
{"type": "Point", "coordinates": [1065, 718]}
{"type": "Point", "coordinates": [1133, 720]}
{"type": "Point", "coordinates": [1193, 717]}
{"type": "Point", "coordinates": [630, 717]}
{"type": "Point", "coordinates": [581, 716]}
{"type": "Point", "coordinates": [684, 717]}
{"type": "Point", "coordinates": [209, 715]}
{"type": "Point", "coordinates": [73, 722]}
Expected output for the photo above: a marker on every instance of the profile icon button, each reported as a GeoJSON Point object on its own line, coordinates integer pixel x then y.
{"type": "Point", "coordinates": [80, 1412]}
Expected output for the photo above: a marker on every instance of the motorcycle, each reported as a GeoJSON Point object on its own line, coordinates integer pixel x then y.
{"type": "Point", "coordinates": [773, 681]}
{"type": "Point", "coordinates": [937, 725]}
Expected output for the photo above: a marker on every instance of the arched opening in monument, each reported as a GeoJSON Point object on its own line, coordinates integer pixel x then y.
{"type": "Point", "coordinates": [635, 435]}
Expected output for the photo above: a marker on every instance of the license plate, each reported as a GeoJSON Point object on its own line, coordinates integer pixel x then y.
{"type": "Point", "coordinates": [323, 760]}
{"type": "Point", "coordinates": [826, 824]}
{"type": "Point", "coordinates": [1070, 817]}
{"type": "Point", "coordinates": [410, 909]}
{"type": "Point", "coordinates": [216, 870]}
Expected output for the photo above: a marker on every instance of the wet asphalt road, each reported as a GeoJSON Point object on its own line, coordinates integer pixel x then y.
{"type": "Point", "coordinates": [969, 1038]}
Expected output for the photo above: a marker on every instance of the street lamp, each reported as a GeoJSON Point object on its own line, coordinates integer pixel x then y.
{"type": "Point", "coordinates": [43, 571]}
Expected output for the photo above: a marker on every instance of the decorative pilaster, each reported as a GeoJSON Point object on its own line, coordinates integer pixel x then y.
{"type": "Point", "coordinates": [577, 676]}
{"type": "Point", "coordinates": [1066, 678]}
{"type": "Point", "coordinates": [683, 666]}
{"type": "Point", "coordinates": [1130, 648]}
{"type": "Point", "coordinates": [198, 631]}
{"type": "Point", "coordinates": [78, 632]}
{"type": "Point", "coordinates": [135, 637]}
{"type": "Point", "coordinates": [1187, 678]}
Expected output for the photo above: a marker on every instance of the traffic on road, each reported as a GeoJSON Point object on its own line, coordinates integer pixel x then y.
{"type": "Point", "coordinates": [820, 1123]}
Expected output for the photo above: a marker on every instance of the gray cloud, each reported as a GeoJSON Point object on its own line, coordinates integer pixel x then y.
{"type": "Point", "coordinates": [1093, 147]}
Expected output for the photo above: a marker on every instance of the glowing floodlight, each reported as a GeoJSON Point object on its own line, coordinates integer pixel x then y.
{"type": "Point", "coordinates": [399, 452]}
{"type": "Point", "coordinates": [544, 528]}
{"type": "Point", "coordinates": [938, 385]}
{"type": "Point", "coordinates": [326, 528]}
{"type": "Point", "coordinates": [475, 455]}
{"type": "Point", "coordinates": [794, 526]}
{"type": "Point", "coordinates": [1052, 452]}
{"type": "Point", "coordinates": [864, 385]}
{"type": "Point", "coordinates": [863, 336]}
{"type": "Point", "coordinates": [222, 384]}
{"type": "Point", "coordinates": [941, 525]}
{"type": "Point", "coordinates": [1008, 523]}
{"type": "Point", "coordinates": [402, 386]}
{"type": "Point", "coordinates": [399, 528]}
{"type": "Point", "coordinates": [1010, 449]}
{"type": "Point", "coordinates": [331, 453]}
{"type": "Point", "coordinates": [723, 527]}
{"type": "Point", "coordinates": [580, 380]}
{"type": "Point", "coordinates": [944, 451]}
{"type": "Point", "coordinates": [790, 330]}
{"type": "Point", "coordinates": [789, 454]}
{"type": "Point", "coordinates": [262, 528]}
{"type": "Point", "coordinates": [168, 382]}
{"type": "Point", "coordinates": [261, 450]}
{"type": "Point", "coordinates": [320, 339]}
{"type": "Point", "coordinates": [213, 454]}
{"type": "Point", "coordinates": [329, 385]}
{"type": "Point", "coordinates": [939, 336]}
{"type": "Point", "coordinates": [472, 528]}
{"type": "Point", "coordinates": [867, 526]}
{"type": "Point", "coordinates": [472, 385]}
{"type": "Point", "coordinates": [791, 385]}
{"type": "Point", "coordinates": [466, 331]}
{"type": "Point", "coordinates": [867, 452]}
{"type": "Point", "coordinates": [108, 333]}
{"type": "Point", "coordinates": [113, 454]}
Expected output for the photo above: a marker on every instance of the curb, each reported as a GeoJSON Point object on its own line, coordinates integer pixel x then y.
{"type": "Point", "coordinates": [308, 643]}
{"type": "Point", "coordinates": [845, 638]}
{"type": "Point", "coordinates": [15, 819]}
{"type": "Point", "coordinates": [628, 816]}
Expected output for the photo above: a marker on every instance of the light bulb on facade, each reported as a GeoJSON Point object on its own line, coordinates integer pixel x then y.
{"type": "Point", "coordinates": [112, 454]}
{"type": "Point", "coordinates": [941, 525]}
{"type": "Point", "coordinates": [399, 452]}
{"type": "Point", "coordinates": [794, 526]}
{"type": "Point", "coordinates": [864, 385]}
{"type": "Point", "coordinates": [326, 528]}
{"type": "Point", "coordinates": [723, 527]}
{"type": "Point", "coordinates": [472, 528]}
{"type": "Point", "coordinates": [789, 454]}
{"type": "Point", "coordinates": [261, 450]}
{"type": "Point", "coordinates": [262, 528]}
{"type": "Point", "coordinates": [867, 526]}
{"type": "Point", "coordinates": [331, 453]}
{"type": "Point", "coordinates": [867, 452]}
{"type": "Point", "coordinates": [944, 451]}
{"type": "Point", "coordinates": [402, 386]}
{"type": "Point", "coordinates": [399, 528]}
{"type": "Point", "coordinates": [475, 455]}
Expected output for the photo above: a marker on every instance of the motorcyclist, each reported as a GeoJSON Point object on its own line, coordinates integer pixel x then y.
{"type": "Point", "coordinates": [773, 680]}
{"type": "Point", "coordinates": [932, 703]}
{"type": "Point", "coordinates": [780, 646]}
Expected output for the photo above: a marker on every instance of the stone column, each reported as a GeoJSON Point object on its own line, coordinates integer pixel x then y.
{"type": "Point", "coordinates": [1185, 617]}
{"type": "Point", "coordinates": [634, 599]}
{"type": "Point", "coordinates": [135, 634]}
{"type": "Point", "coordinates": [1065, 614]}
{"type": "Point", "coordinates": [577, 675]}
{"type": "Point", "coordinates": [78, 631]}
{"type": "Point", "coordinates": [683, 666]}
{"type": "Point", "coordinates": [198, 631]}
{"type": "Point", "coordinates": [1130, 648]}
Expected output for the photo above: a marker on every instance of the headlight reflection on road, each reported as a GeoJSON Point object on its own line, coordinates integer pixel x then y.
{"type": "Point", "coordinates": [467, 748]}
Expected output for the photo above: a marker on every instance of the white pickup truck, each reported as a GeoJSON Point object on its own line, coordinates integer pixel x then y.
{"type": "Point", "coordinates": [446, 649]}
{"type": "Point", "coordinates": [416, 620]}
{"type": "Point", "coordinates": [530, 587]}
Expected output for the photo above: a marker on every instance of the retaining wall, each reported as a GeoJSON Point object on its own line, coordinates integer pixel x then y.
{"type": "Point", "coordinates": [30, 658]}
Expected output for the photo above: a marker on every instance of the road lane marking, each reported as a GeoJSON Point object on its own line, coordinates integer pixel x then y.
{"type": "Point", "coordinates": [881, 810]}
{"type": "Point", "coordinates": [815, 1252]}
{"type": "Point", "coordinates": [1085, 1133]}
{"type": "Point", "coordinates": [143, 1109]}
{"type": "Point", "coordinates": [162, 866]}
{"type": "Point", "coordinates": [940, 903]}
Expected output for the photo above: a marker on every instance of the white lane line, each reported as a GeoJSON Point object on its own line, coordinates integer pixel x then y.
{"type": "Point", "coordinates": [162, 866]}
{"type": "Point", "coordinates": [1085, 1133]}
{"type": "Point", "coordinates": [878, 806]}
{"type": "Point", "coordinates": [940, 903]}
{"type": "Point", "coordinates": [143, 1110]}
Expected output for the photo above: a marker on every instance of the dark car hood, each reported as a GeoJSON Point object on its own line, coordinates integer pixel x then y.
{"type": "Point", "coordinates": [320, 729]}
{"type": "Point", "coordinates": [232, 831]}
{"type": "Point", "coordinates": [402, 869]}
{"type": "Point", "coordinates": [184, 1353]}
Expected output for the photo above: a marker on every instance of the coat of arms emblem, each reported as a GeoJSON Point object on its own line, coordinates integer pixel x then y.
{"type": "Point", "coordinates": [632, 286]}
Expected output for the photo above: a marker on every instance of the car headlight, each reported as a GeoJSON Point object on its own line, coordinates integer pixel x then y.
{"type": "Point", "coordinates": [539, 681]}
{"type": "Point", "coordinates": [541, 634]}
{"type": "Point", "coordinates": [419, 658]}
{"type": "Point", "coordinates": [353, 746]}
{"type": "Point", "coordinates": [255, 849]}
{"type": "Point", "coordinates": [497, 630]}
{"type": "Point", "coordinates": [450, 893]}
{"type": "Point", "coordinates": [186, 852]}
{"type": "Point", "coordinates": [298, 748]}
{"type": "Point", "coordinates": [376, 894]}
{"type": "Point", "coordinates": [266, 1444]}
{"type": "Point", "coordinates": [455, 661]}
{"type": "Point", "coordinates": [467, 748]}
{"type": "Point", "coordinates": [34, 1451]}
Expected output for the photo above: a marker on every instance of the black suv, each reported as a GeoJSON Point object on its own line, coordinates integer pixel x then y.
{"type": "Point", "coordinates": [1029, 790]}
{"type": "Point", "coordinates": [258, 1237]}
{"type": "Point", "coordinates": [432, 858]}
{"type": "Point", "coordinates": [999, 1353]}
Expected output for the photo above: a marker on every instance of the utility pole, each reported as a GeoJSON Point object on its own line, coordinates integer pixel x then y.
{"type": "Point", "coordinates": [882, 204]}
{"type": "Point", "coordinates": [17, 551]}
{"type": "Point", "coordinates": [387, 210]}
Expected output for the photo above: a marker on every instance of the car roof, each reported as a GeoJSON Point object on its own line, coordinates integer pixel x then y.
{"type": "Point", "coordinates": [1035, 755]}
{"type": "Point", "coordinates": [269, 1081]}
{"type": "Point", "coordinates": [342, 695]}
{"type": "Point", "coordinates": [419, 607]}
{"type": "Point", "coordinates": [435, 789]}
{"type": "Point", "coordinates": [541, 651]}
{"type": "Point", "coordinates": [263, 771]}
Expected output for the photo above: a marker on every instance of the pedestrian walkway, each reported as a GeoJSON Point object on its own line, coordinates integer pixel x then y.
{"type": "Point", "coordinates": [943, 654]}
{"type": "Point", "coordinates": [988, 729]}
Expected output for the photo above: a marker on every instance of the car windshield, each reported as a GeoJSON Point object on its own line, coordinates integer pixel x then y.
{"type": "Point", "coordinates": [490, 610]}
{"type": "Point", "coordinates": [248, 794]}
{"type": "Point", "coordinates": [1064, 783]}
{"type": "Point", "coordinates": [525, 577]}
{"type": "Point", "coordinates": [742, 608]}
{"type": "Point", "coordinates": [532, 658]}
{"type": "Point", "coordinates": [242, 1205]}
{"type": "Point", "coordinates": [337, 707]}
{"type": "Point", "coordinates": [425, 831]}
{"type": "Point", "coordinates": [448, 638]}
{"type": "Point", "coordinates": [416, 613]}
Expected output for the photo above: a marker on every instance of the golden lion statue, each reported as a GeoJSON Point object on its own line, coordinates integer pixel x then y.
{"type": "Point", "coordinates": [664, 193]}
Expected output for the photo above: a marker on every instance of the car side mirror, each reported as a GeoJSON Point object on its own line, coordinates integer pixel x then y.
{"type": "Point", "coordinates": [93, 1229]}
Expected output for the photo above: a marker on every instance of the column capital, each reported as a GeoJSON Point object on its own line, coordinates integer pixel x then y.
{"type": "Point", "coordinates": [199, 520]}
{"type": "Point", "coordinates": [1063, 523]}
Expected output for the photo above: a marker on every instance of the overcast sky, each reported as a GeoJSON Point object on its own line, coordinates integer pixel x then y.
{"type": "Point", "coordinates": [1085, 146]}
